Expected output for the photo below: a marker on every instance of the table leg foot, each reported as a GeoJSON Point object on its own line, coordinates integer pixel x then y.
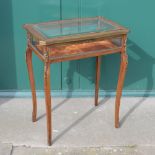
{"type": "Point", "coordinates": [49, 143]}
{"type": "Point", "coordinates": [34, 118]}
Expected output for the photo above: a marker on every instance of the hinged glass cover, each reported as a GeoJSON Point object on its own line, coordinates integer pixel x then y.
{"type": "Point", "coordinates": [71, 27]}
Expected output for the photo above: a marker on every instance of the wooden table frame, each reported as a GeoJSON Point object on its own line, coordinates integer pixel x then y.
{"type": "Point", "coordinates": [47, 61]}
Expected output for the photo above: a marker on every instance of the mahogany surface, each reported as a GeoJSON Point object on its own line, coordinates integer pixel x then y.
{"type": "Point", "coordinates": [91, 37]}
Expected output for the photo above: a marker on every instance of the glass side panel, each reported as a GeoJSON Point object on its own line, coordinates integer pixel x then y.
{"type": "Point", "coordinates": [77, 49]}
{"type": "Point", "coordinates": [71, 27]}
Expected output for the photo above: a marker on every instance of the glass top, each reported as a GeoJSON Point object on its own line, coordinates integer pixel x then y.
{"type": "Point", "coordinates": [72, 27]}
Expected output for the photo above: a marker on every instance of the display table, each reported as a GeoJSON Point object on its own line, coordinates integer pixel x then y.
{"type": "Point", "coordinates": [74, 39]}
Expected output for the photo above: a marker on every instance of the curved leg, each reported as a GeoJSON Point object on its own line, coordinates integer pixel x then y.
{"type": "Point", "coordinates": [98, 64]}
{"type": "Point", "coordinates": [123, 66]}
{"type": "Point", "coordinates": [32, 82]}
{"type": "Point", "coordinates": [48, 100]}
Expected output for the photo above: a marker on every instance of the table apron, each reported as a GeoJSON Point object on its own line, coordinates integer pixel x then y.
{"type": "Point", "coordinates": [84, 56]}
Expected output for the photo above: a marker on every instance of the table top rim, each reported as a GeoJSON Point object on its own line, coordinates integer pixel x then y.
{"type": "Point", "coordinates": [43, 40]}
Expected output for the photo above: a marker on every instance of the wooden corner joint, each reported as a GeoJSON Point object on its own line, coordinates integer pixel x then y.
{"type": "Point", "coordinates": [46, 64]}
{"type": "Point", "coordinates": [28, 52]}
{"type": "Point", "coordinates": [29, 38]}
{"type": "Point", "coordinates": [124, 43]}
{"type": "Point", "coordinates": [46, 56]}
{"type": "Point", "coordinates": [46, 70]}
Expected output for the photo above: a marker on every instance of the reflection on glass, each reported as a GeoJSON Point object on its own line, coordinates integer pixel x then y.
{"type": "Point", "coordinates": [70, 27]}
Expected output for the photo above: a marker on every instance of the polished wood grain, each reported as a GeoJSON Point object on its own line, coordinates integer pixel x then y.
{"type": "Point", "coordinates": [81, 48]}
{"type": "Point", "coordinates": [48, 100]}
{"type": "Point", "coordinates": [75, 47]}
{"type": "Point", "coordinates": [32, 82]}
{"type": "Point", "coordinates": [98, 64]}
{"type": "Point", "coordinates": [122, 72]}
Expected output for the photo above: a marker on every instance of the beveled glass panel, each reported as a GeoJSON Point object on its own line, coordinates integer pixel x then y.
{"type": "Point", "coordinates": [71, 27]}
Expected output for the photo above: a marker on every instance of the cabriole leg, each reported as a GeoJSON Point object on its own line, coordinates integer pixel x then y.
{"type": "Point", "coordinates": [32, 82]}
{"type": "Point", "coordinates": [123, 67]}
{"type": "Point", "coordinates": [48, 100]}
